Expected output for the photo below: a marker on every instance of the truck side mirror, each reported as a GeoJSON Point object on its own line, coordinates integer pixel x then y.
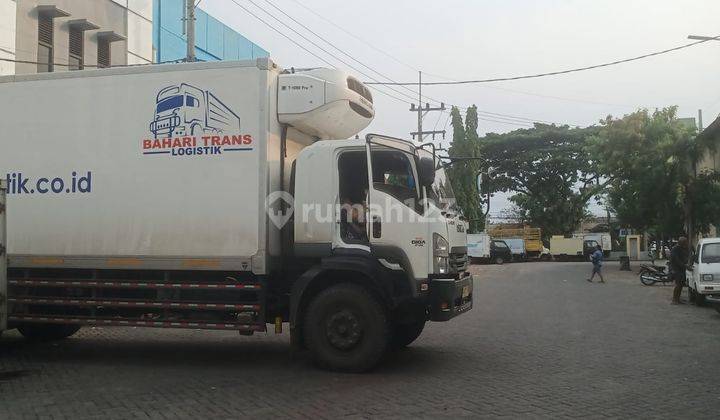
{"type": "Point", "coordinates": [426, 171]}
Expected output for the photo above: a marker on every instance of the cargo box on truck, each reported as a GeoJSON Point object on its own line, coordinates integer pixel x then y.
{"type": "Point", "coordinates": [220, 196]}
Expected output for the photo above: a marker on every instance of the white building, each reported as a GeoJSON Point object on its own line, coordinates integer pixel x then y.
{"type": "Point", "coordinates": [59, 35]}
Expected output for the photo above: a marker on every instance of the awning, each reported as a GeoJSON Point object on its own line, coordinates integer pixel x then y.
{"type": "Point", "coordinates": [111, 36]}
{"type": "Point", "coordinates": [51, 11]}
{"type": "Point", "coordinates": [83, 25]}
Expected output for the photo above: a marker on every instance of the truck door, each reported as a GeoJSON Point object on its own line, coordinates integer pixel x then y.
{"type": "Point", "coordinates": [397, 229]}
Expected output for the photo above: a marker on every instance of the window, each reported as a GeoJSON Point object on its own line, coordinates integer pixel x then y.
{"type": "Point", "coordinates": [191, 101]}
{"type": "Point", "coordinates": [393, 174]}
{"type": "Point", "coordinates": [170, 103]}
{"type": "Point", "coordinates": [711, 253]}
{"type": "Point", "coordinates": [353, 185]}
{"type": "Point", "coordinates": [103, 53]}
{"type": "Point", "coordinates": [499, 245]}
{"type": "Point", "coordinates": [75, 60]}
{"type": "Point", "coordinates": [45, 44]}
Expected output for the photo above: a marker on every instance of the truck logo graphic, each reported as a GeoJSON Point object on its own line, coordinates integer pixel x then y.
{"type": "Point", "coordinates": [185, 110]}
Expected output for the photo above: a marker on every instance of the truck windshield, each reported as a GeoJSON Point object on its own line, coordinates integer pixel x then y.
{"type": "Point", "coordinates": [441, 191]}
{"type": "Point", "coordinates": [170, 103]}
{"type": "Point", "coordinates": [711, 253]}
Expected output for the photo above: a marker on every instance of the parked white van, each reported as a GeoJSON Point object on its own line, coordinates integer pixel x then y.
{"type": "Point", "coordinates": [704, 273]}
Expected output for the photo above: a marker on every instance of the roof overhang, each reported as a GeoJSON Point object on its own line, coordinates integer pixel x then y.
{"type": "Point", "coordinates": [711, 132]}
{"type": "Point", "coordinates": [111, 36]}
{"type": "Point", "coordinates": [51, 11]}
{"type": "Point", "coordinates": [83, 25]}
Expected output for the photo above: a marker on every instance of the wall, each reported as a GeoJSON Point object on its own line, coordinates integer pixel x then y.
{"type": "Point", "coordinates": [213, 40]}
{"type": "Point", "coordinates": [8, 15]}
{"type": "Point", "coordinates": [139, 30]}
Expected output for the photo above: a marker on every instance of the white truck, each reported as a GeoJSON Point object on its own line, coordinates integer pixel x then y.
{"type": "Point", "coordinates": [564, 248]}
{"type": "Point", "coordinates": [271, 218]}
{"type": "Point", "coordinates": [604, 239]}
{"type": "Point", "coordinates": [703, 275]}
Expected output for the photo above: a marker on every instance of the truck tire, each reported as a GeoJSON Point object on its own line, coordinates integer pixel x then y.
{"type": "Point", "coordinates": [47, 332]}
{"type": "Point", "coordinates": [406, 334]}
{"type": "Point", "coordinates": [346, 329]}
{"type": "Point", "coordinates": [499, 260]}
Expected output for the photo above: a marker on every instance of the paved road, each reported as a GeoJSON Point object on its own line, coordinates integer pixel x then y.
{"type": "Point", "coordinates": [540, 342]}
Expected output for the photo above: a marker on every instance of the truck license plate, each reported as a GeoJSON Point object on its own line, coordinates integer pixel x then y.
{"type": "Point", "coordinates": [466, 291]}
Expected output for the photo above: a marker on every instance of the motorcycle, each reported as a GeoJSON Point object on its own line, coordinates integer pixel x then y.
{"type": "Point", "coordinates": [651, 274]}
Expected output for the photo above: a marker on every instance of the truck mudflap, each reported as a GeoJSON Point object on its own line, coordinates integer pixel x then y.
{"type": "Point", "coordinates": [449, 298]}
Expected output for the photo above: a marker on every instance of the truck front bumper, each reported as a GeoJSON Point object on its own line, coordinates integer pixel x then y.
{"type": "Point", "coordinates": [713, 299]}
{"type": "Point", "coordinates": [450, 297]}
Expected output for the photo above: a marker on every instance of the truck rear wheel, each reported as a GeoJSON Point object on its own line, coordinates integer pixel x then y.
{"type": "Point", "coordinates": [406, 334]}
{"type": "Point", "coordinates": [47, 332]}
{"type": "Point", "coordinates": [346, 329]}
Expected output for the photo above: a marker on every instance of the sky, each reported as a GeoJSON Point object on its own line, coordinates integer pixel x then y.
{"type": "Point", "coordinates": [479, 39]}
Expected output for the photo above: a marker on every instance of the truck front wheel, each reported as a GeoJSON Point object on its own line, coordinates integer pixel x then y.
{"type": "Point", "coordinates": [346, 329]}
{"type": "Point", "coordinates": [405, 334]}
{"type": "Point", "coordinates": [47, 332]}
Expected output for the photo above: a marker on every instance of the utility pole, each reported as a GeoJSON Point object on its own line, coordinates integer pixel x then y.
{"type": "Point", "coordinates": [700, 121]}
{"type": "Point", "coordinates": [423, 111]}
{"type": "Point", "coordinates": [190, 25]}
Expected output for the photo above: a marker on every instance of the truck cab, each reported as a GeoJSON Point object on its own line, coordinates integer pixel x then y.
{"type": "Point", "coordinates": [704, 274]}
{"type": "Point", "coordinates": [500, 251]}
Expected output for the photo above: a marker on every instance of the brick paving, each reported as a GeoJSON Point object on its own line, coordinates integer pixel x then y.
{"type": "Point", "coordinates": [540, 342]}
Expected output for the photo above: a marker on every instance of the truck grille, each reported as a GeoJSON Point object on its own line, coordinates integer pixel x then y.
{"type": "Point", "coordinates": [458, 259]}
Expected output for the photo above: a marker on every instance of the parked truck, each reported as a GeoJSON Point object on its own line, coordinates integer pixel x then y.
{"type": "Point", "coordinates": [566, 248]}
{"type": "Point", "coordinates": [280, 219]}
{"type": "Point", "coordinates": [602, 238]}
{"type": "Point", "coordinates": [532, 237]}
{"type": "Point", "coordinates": [482, 248]}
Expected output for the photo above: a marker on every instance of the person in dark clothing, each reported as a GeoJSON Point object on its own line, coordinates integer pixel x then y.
{"type": "Point", "coordinates": [678, 264]}
{"type": "Point", "coordinates": [597, 258]}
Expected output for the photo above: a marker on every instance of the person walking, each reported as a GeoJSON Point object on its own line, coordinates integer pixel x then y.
{"type": "Point", "coordinates": [597, 258]}
{"type": "Point", "coordinates": [678, 264]}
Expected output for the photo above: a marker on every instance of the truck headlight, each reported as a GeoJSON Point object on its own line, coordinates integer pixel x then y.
{"type": "Point", "coordinates": [707, 277]}
{"type": "Point", "coordinates": [441, 254]}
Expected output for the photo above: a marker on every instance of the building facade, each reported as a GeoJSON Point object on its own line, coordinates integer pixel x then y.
{"type": "Point", "coordinates": [710, 160]}
{"type": "Point", "coordinates": [213, 39]}
{"type": "Point", "coordinates": [60, 35]}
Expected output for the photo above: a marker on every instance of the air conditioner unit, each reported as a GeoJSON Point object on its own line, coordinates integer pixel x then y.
{"type": "Point", "coordinates": [324, 103]}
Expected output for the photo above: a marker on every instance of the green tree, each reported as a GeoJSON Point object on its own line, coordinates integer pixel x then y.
{"type": "Point", "coordinates": [650, 159]}
{"type": "Point", "coordinates": [550, 172]}
{"type": "Point", "coordinates": [463, 174]}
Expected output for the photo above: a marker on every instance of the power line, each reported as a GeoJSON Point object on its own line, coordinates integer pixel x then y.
{"type": "Point", "coordinates": [392, 57]}
{"type": "Point", "coordinates": [248, 11]}
{"type": "Point", "coordinates": [303, 47]}
{"type": "Point", "coordinates": [352, 58]}
{"type": "Point", "coordinates": [333, 45]}
{"type": "Point", "coordinates": [323, 49]}
{"type": "Point", "coordinates": [54, 64]}
{"type": "Point", "coordinates": [554, 73]}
